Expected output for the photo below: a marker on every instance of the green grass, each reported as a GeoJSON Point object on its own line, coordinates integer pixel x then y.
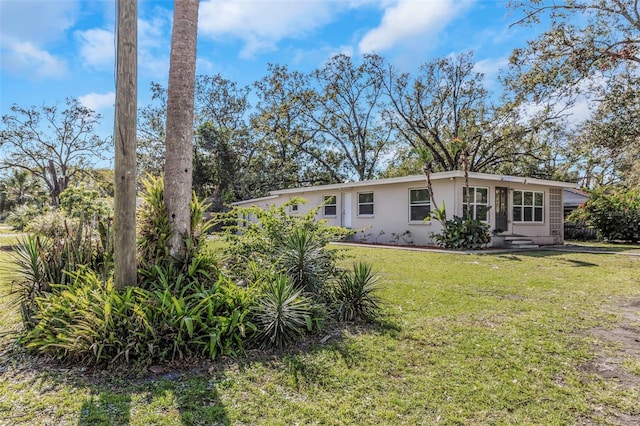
{"type": "Point", "coordinates": [467, 339]}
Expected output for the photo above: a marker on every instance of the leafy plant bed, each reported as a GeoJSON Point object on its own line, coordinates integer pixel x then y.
{"type": "Point", "coordinates": [478, 339]}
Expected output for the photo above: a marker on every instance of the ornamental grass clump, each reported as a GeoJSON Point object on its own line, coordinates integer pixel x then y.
{"type": "Point", "coordinates": [354, 295]}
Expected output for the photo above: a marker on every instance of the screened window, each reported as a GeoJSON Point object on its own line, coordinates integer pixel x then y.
{"type": "Point", "coordinates": [419, 205]}
{"type": "Point", "coordinates": [365, 204]}
{"type": "Point", "coordinates": [476, 203]}
{"type": "Point", "coordinates": [330, 207]}
{"type": "Point", "coordinates": [528, 206]}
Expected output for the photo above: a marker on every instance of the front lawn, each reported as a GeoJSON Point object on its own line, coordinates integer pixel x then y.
{"type": "Point", "coordinates": [468, 339]}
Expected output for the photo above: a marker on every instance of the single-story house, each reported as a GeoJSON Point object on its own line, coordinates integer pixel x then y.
{"type": "Point", "coordinates": [393, 210]}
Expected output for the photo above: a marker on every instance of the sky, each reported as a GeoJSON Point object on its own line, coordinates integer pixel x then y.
{"type": "Point", "coordinates": [54, 49]}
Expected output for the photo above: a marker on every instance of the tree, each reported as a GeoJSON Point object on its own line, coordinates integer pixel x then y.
{"type": "Point", "coordinates": [178, 167]}
{"type": "Point", "coordinates": [446, 107]}
{"type": "Point", "coordinates": [290, 151]}
{"type": "Point", "coordinates": [152, 125]}
{"type": "Point", "coordinates": [587, 40]}
{"type": "Point", "coordinates": [592, 47]}
{"type": "Point", "coordinates": [223, 150]}
{"type": "Point", "coordinates": [51, 143]}
{"type": "Point", "coordinates": [346, 113]}
{"type": "Point", "coordinates": [19, 188]}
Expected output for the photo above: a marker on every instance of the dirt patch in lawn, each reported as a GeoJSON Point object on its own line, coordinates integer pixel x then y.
{"type": "Point", "coordinates": [615, 347]}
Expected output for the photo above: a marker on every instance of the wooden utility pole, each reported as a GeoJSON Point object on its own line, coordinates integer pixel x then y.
{"type": "Point", "coordinates": [125, 143]}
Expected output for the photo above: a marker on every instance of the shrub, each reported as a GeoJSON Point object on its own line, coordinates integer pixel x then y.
{"type": "Point", "coordinates": [305, 261]}
{"type": "Point", "coordinates": [614, 212]}
{"type": "Point", "coordinates": [80, 202]}
{"type": "Point", "coordinates": [22, 216]}
{"type": "Point", "coordinates": [283, 313]}
{"type": "Point", "coordinates": [89, 321]}
{"type": "Point", "coordinates": [54, 224]}
{"type": "Point", "coordinates": [354, 294]}
{"type": "Point", "coordinates": [155, 229]}
{"type": "Point", "coordinates": [461, 234]}
{"type": "Point", "coordinates": [295, 245]}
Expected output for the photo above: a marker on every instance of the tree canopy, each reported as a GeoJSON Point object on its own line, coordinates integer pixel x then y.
{"type": "Point", "coordinates": [51, 142]}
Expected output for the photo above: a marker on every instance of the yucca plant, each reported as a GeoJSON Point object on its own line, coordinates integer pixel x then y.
{"type": "Point", "coordinates": [355, 294]}
{"type": "Point", "coordinates": [305, 261]}
{"type": "Point", "coordinates": [283, 314]}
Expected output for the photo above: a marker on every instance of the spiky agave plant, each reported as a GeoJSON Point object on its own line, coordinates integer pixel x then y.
{"type": "Point", "coordinates": [305, 261]}
{"type": "Point", "coordinates": [355, 294]}
{"type": "Point", "coordinates": [283, 314]}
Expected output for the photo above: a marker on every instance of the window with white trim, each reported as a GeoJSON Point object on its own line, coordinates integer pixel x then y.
{"type": "Point", "coordinates": [294, 208]}
{"type": "Point", "coordinates": [330, 208]}
{"type": "Point", "coordinates": [419, 205]}
{"type": "Point", "coordinates": [477, 203]}
{"type": "Point", "coordinates": [365, 204]}
{"type": "Point", "coordinates": [528, 206]}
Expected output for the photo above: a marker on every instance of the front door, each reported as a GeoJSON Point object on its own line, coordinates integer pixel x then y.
{"type": "Point", "coordinates": [502, 209]}
{"type": "Point", "coordinates": [346, 209]}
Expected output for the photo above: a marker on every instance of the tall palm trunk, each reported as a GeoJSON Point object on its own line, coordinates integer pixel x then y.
{"type": "Point", "coordinates": [179, 136]}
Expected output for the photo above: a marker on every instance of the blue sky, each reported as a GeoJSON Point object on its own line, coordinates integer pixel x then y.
{"type": "Point", "coordinates": [53, 49]}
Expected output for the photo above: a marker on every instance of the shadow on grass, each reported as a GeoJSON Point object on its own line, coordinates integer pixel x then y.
{"type": "Point", "coordinates": [185, 392]}
{"type": "Point", "coordinates": [112, 396]}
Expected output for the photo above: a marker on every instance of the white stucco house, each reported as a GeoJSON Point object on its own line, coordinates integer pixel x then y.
{"type": "Point", "coordinates": [393, 210]}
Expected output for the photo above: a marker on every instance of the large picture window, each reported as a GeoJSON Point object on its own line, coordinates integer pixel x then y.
{"type": "Point", "coordinates": [330, 208]}
{"type": "Point", "coordinates": [365, 204]}
{"type": "Point", "coordinates": [528, 206]}
{"type": "Point", "coordinates": [419, 205]}
{"type": "Point", "coordinates": [476, 203]}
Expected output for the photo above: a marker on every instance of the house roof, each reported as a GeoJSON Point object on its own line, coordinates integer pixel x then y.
{"type": "Point", "coordinates": [421, 178]}
{"type": "Point", "coordinates": [409, 179]}
{"type": "Point", "coordinates": [574, 197]}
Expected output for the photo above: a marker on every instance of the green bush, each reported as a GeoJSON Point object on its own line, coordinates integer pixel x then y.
{"type": "Point", "coordinates": [306, 262]}
{"type": "Point", "coordinates": [22, 216]}
{"type": "Point", "coordinates": [89, 321]}
{"type": "Point", "coordinates": [463, 234]}
{"type": "Point", "coordinates": [355, 296]}
{"type": "Point", "coordinates": [80, 202]}
{"type": "Point", "coordinates": [54, 224]}
{"type": "Point", "coordinates": [292, 244]}
{"type": "Point", "coordinates": [283, 313]}
{"type": "Point", "coordinates": [614, 212]}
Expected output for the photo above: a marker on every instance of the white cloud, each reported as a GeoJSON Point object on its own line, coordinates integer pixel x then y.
{"type": "Point", "coordinates": [97, 47]}
{"type": "Point", "coordinates": [37, 21]}
{"type": "Point", "coordinates": [26, 28]}
{"type": "Point", "coordinates": [98, 101]}
{"type": "Point", "coordinates": [491, 68]}
{"type": "Point", "coordinates": [262, 24]}
{"type": "Point", "coordinates": [406, 20]}
{"type": "Point", "coordinates": [20, 57]}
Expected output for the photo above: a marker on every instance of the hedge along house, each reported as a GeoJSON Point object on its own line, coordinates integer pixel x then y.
{"type": "Point", "coordinates": [393, 211]}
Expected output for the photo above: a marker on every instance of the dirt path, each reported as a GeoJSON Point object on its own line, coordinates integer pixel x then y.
{"type": "Point", "coordinates": [615, 347]}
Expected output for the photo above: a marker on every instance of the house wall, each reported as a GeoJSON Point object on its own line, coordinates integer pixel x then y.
{"type": "Point", "coordinates": [390, 222]}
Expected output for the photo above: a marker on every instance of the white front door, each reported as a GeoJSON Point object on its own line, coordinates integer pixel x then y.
{"type": "Point", "coordinates": [346, 209]}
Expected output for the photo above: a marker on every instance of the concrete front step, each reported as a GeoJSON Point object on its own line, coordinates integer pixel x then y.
{"type": "Point", "coordinates": [520, 243]}
{"type": "Point", "coordinates": [527, 246]}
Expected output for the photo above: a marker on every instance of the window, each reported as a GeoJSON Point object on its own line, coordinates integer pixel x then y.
{"type": "Point", "coordinates": [477, 203]}
{"type": "Point", "coordinates": [528, 206]}
{"type": "Point", "coordinates": [294, 208]}
{"type": "Point", "coordinates": [419, 205]}
{"type": "Point", "coordinates": [330, 207]}
{"type": "Point", "coordinates": [365, 204]}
